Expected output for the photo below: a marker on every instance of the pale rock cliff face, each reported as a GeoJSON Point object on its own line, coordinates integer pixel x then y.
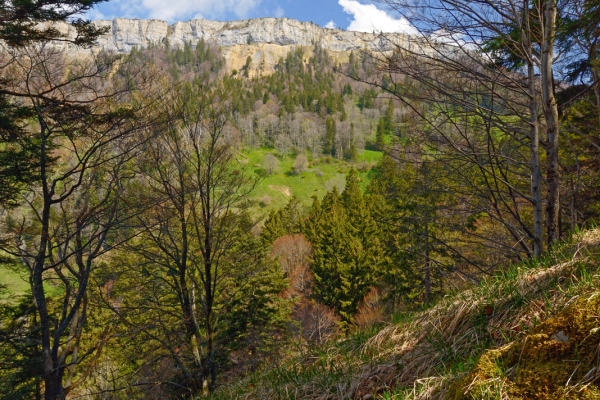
{"type": "Point", "coordinates": [265, 39]}
{"type": "Point", "coordinates": [126, 33]}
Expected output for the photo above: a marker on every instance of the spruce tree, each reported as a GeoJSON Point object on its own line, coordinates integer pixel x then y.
{"type": "Point", "coordinates": [347, 251]}
{"type": "Point", "coordinates": [285, 221]}
{"type": "Point", "coordinates": [405, 203]}
{"type": "Point", "coordinates": [330, 128]}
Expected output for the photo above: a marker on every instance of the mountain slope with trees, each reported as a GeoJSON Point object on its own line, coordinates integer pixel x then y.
{"type": "Point", "coordinates": [530, 332]}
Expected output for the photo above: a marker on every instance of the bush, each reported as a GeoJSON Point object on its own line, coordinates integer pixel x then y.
{"type": "Point", "coordinates": [300, 164]}
{"type": "Point", "coordinates": [270, 164]}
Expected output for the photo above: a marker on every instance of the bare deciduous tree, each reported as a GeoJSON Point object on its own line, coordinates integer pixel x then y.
{"type": "Point", "coordinates": [88, 125]}
{"type": "Point", "coordinates": [270, 164]}
{"type": "Point", "coordinates": [482, 112]}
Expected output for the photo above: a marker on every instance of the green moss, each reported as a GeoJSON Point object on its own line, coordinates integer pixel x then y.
{"type": "Point", "coordinates": [551, 362]}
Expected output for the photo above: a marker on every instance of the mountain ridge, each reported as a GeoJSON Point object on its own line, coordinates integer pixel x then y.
{"type": "Point", "coordinates": [265, 40]}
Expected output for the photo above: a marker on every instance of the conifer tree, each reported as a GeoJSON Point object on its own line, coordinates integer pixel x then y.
{"type": "Point", "coordinates": [406, 204]}
{"type": "Point", "coordinates": [330, 128]}
{"type": "Point", "coordinates": [327, 231]}
{"type": "Point", "coordinates": [285, 221]}
{"type": "Point", "coordinates": [347, 252]}
{"type": "Point", "coordinates": [385, 127]}
{"type": "Point", "coordinates": [388, 201]}
{"type": "Point", "coordinates": [380, 135]}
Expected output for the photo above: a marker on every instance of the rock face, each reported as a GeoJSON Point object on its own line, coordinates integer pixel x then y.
{"type": "Point", "coordinates": [126, 33]}
{"type": "Point", "coordinates": [266, 40]}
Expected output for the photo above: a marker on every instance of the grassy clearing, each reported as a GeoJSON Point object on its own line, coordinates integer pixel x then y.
{"type": "Point", "coordinates": [15, 282]}
{"type": "Point", "coordinates": [470, 344]}
{"type": "Point", "coordinates": [323, 173]}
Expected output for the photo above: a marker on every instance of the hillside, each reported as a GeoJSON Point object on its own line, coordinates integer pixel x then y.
{"type": "Point", "coordinates": [321, 175]}
{"type": "Point", "coordinates": [531, 332]}
{"type": "Point", "coordinates": [268, 209]}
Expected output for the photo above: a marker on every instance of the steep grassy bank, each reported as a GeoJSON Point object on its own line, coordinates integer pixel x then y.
{"type": "Point", "coordinates": [530, 332]}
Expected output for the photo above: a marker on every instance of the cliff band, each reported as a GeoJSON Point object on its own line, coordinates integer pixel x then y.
{"type": "Point", "coordinates": [264, 39]}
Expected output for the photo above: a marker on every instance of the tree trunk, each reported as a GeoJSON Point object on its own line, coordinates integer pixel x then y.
{"type": "Point", "coordinates": [210, 370]}
{"type": "Point", "coordinates": [52, 384]}
{"type": "Point", "coordinates": [551, 115]}
{"type": "Point", "coordinates": [536, 172]}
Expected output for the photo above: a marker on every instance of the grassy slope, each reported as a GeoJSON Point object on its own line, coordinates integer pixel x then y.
{"type": "Point", "coordinates": [14, 283]}
{"type": "Point", "coordinates": [499, 340]}
{"type": "Point", "coordinates": [280, 186]}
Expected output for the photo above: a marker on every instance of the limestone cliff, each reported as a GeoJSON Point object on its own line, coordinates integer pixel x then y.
{"type": "Point", "coordinates": [125, 33]}
{"type": "Point", "coordinates": [265, 39]}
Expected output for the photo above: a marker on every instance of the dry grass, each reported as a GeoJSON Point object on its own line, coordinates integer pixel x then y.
{"type": "Point", "coordinates": [491, 316]}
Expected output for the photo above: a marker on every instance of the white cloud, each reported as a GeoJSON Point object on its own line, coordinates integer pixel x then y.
{"type": "Point", "coordinates": [181, 10]}
{"type": "Point", "coordinates": [330, 25]}
{"type": "Point", "coordinates": [279, 12]}
{"type": "Point", "coordinates": [94, 14]}
{"type": "Point", "coordinates": [368, 18]}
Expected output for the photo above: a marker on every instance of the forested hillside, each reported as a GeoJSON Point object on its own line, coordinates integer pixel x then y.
{"type": "Point", "coordinates": [172, 228]}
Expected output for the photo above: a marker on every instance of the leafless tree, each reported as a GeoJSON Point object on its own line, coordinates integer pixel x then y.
{"type": "Point", "coordinates": [270, 163]}
{"type": "Point", "coordinates": [88, 125]}
{"type": "Point", "coordinates": [300, 164]}
{"type": "Point", "coordinates": [194, 192]}
{"type": "Point", "coordinates": [480, 106]}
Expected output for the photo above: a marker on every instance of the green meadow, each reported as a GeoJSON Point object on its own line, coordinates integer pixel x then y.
{"type": "Point", "coordinates": [322, 175]}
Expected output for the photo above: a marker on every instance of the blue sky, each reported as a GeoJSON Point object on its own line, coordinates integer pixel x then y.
{"type": "Point", "coordinates": [359, 15]}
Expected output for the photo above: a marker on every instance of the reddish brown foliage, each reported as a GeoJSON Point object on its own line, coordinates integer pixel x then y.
{"type": "Point", "coordinates": [319, 323]}
{"type": "Point", "coordinates": [292, 250]}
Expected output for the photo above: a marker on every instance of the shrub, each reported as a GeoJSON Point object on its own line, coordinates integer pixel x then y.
{"type": "Point", "coordinates": [300, 164]}
{"type": "Point", "coordinates": [270, 164]}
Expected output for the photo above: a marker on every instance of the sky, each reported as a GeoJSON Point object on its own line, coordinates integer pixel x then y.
{"type": "Point", "coordinates": [355, 15]}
